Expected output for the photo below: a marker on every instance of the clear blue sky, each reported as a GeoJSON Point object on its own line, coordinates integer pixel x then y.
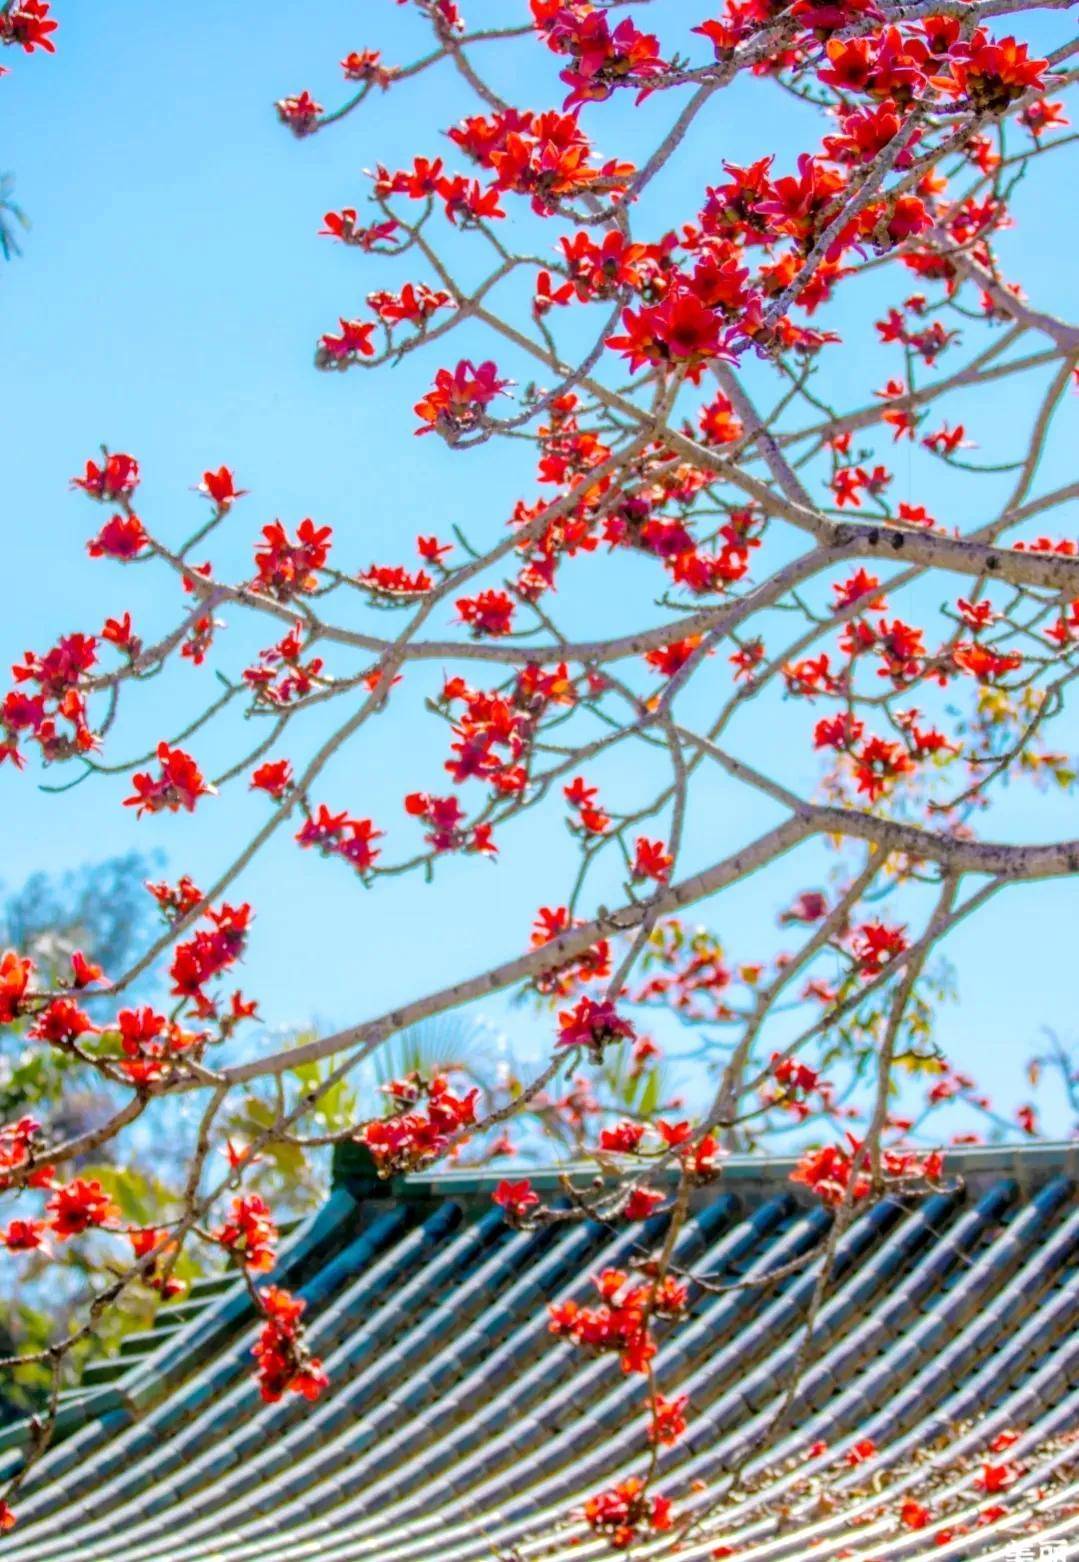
{"type": "Point", "coordinates": [168, 301]}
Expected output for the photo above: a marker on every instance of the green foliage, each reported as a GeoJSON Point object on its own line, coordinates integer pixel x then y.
{"type": "Point", "coordinates": [12, 218]}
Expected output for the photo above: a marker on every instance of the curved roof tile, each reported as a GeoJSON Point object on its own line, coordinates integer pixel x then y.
{"type": "Point", "coordinates": [456, 1430]}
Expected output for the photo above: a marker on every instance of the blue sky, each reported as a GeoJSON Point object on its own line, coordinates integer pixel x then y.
{"type": "Point", "coordinates": [170, 294]}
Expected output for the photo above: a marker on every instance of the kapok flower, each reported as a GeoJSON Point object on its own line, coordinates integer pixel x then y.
{"type": "Point", "coordinates": [116, 478]}
{"type": "Point", "coordinates": [250, 1233]}
{"type": "Point", "coordinates": [651, 860]}
{"type": "Point", "coordinates": [286, 567]}
{"type": "Point", "coordinates": [124, 537]}
{"type": "Point", "coordinates": [28, 24]}
{"type": "Point", "coordinates": [23, 1236]}
{"type": "Point", "coordinates": [593, 1026]}
{"type": "Point", "coordinates": [220, 486]}
{"type": "Point", "coordinates": [14, 980]}
{"type": "Point", "coordinates": [179, 784]}
{"type": "Point", "coordinates": [624, 1511]}
{"type": "Point", "coordinates": [411, 1138]}
{"type": "Point", "coordinates": [300, 113]}
{"type": "Point", "coordinates": [77, 1206]}
{"type": "Point", "coordinates": [284, 1363]}
{"type": "Point", "coordinates": [668, 1418]}
{"type": "Point", "coordinates": [353, 342]}
{"type": "Point", "coordinates": [459, 398]}
{"type": "Point", "coordinates": [516, 1198]}
{"type": "Point", "coordinates": [274, 777]}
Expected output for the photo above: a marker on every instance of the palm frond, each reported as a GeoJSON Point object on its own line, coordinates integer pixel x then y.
{"type": "Point", "coordinates": [12, 218]}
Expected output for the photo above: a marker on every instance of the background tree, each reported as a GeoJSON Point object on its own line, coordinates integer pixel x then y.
{"type": "Point", "coordinates": [688, 376]}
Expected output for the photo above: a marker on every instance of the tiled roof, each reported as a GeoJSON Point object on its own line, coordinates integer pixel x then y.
{"type": "Point", "coordinates": [456, 1430]}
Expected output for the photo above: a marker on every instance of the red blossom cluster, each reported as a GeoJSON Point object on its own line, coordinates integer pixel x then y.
{"type": "Point", "coordinates": [594, 965]}
{"type": "Point", "coordinates": [284, 1364]}
{"type": "Point", "coordinates": [448, 830]}
{"type": "Point", "coordinates": [211, 950]}
{"type": "Point", "coordinates": [289, 567]}
{"type": "Point", "coordinates": [686, 476]}
{"type": "Point", "coordinates": [621, 1324]}
{"type": "Point", "coordinates": [836, 1174]}
{"type": "Point", "coordinates": [21, 1147]}
{"type": "Point", "coordinates": [627, 1512]}
{"type": "Point", "coordinates": [249, 1235]}
{"type": "Point", "coordinates": [178, 784]}
{"type": "Point", "coordinates": [602, 58]}
{"type": "Point", "coordinates": [339, 835]}
{"type": "Point", "coordinates": [415, 1134]}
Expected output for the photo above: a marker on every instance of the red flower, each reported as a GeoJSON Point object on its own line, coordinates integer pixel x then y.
{"type": "Point", "coordinates": [678, 331]}
{"type": "Point", "coordinates": [7, 1518]}
{"type": "Point", "coordinates": [22, 1236]}
{"type": "Point", "coordinates": [622, 1513]}
{"type": "Point", "coordinates": [116, 478]}
{"type": "Point", "coordinates": [286, 568]}
{"type": "Point", "coordinates": [284, 1363]}
{"type": "Point", "coordinates": [976, 615]}
{"type": "Point", "coordinates": [84, 973]}
{"type": "Point", "coordinates": [642, 1203]}
{"type": "Point", "coordinates": [300, 113]}
{"type": "Point", "coordinates": [77, 1206]}
{"type": "Point", "coordinates": [810, 906]}
{"type": "Point", "coordinates": [459, 398]}
{"type": "Point", "coordinates": [220, 486]}
{"type": "Point", "coordinates": [118, 632]}
{"type": "Point", "coordinates": [991, 73]}
{"type": "Point", "coordinates": [412, 1137]}
{"type": "Point", "coordinates": [61, 1023]}
{"type": "Point", "coordinates": [875, 945]}
{"type": "Point", "coordinates": [249, 1234]}
{"type": "Point", "coordinates": [489, 613]}
{"type": "Point", "coordinates": [176, 900]}
{"type": "Point", "coordinates": [861, 1452]}
{"type": "Point", "coordinates": [414, 304]}
{"type": "Point", "coordinates": [544, 156]}
{"type": "Point", "coordinates": [394, 583]}
{"type": "Point", "coordinates": [336, 835]}
{"type": "Point", "coordinates": [364, 65]}
{"type": "Point", "coordinates": [624, 1138]}
{"type": "Point", "coordinates": [14, 980]}
{"type": "Point", "coordinates": [947, 441]}
{"type": "Point", "coordinates": [354, 342]}
{"type": "Point", "coordinates": [879, 765]}
{"type": "Point", "coordinates": [546, 296]}
{"type": "Point", "coordinates": [593, 1026]}
{"type": "Point", "coordinates": [180, 784]}
{"type": "Point", "coordinates": [668, 1420]}
{"type": "Point", "coordinates": [432, 551]}
{"type": "Point", "coordinates": [124, 537]}
{"type": "Point", "coordinates": [342, 225]}
{"type": "Point", "coordinates": [516, 1198]}
{"type": "Point", "coordinates": [827, 1172]}
{"type": "Point", "coordinates": [28, 23]}
{"type": "Point", "coordinates": [668, 659]}
{"type": "Point", "coordinates": [996, 1477]}
{"type": "Point", "coordinates": [651, 860]}
{"type": "Point", "coordinates": [793, 1075]}
{"type": "Point", "coordinates": [984, 664]}
{"type": "Point", "coordinates": [275, 777]}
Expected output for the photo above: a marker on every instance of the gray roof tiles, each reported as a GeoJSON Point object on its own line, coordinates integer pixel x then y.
{"type": "Point", "coordinates": [456, 1429]}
